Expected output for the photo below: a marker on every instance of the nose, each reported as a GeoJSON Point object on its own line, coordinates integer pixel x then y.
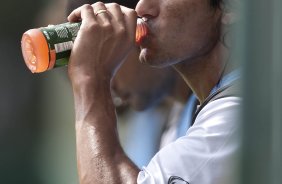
{"type": "Point", "coordinates": [147, 8]}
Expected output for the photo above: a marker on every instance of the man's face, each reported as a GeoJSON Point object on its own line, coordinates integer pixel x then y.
{"type": "Point", "coordinates": [178, 30]}
{"type": "Point", "coordinates": [141, 86]}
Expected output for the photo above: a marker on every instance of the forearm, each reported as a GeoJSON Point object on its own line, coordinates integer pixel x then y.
{"type": "Point", "coordinates": [101, 44]}
{"type": "Point", "coordinates": [99, 154]}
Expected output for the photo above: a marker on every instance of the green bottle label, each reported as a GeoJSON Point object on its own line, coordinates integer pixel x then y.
{"type": "Point", "coordinates": [60, 38]}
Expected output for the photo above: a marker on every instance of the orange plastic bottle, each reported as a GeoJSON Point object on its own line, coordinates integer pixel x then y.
{"type": "Point", "coordinates": [49, 47]}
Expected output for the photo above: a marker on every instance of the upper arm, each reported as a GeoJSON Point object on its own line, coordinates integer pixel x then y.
{"type": "Point", "coordinates": [206, 154]}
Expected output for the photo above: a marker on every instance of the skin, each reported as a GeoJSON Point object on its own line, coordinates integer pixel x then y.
{"type": "Point", "coordinates": [91, 87]}
{"type": "Point", "coordinates": [138, 85]}
{"type": "Point", "coordinates": [189, 42]}
{"type": "Point", "coordinates": [182, 33]}
{"type": "Point", "coordinates": [142, 87]}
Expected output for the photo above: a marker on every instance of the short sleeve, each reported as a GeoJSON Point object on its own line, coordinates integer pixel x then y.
{"type": "Point", "coordinates": [208, 153]}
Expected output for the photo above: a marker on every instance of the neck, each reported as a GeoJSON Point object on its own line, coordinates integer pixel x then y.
{"type": "Point", "coordinates": [203, 73]}
{"type": "Point", "coordinates": [180, 92]}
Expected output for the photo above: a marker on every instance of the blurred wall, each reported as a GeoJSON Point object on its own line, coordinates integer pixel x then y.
{"type": "Point", "coordinates": [261, 54]}
{"type": "Point", "coordinates": [35, 131]}
{"type": "Point", "coordinates": [55, 152]}
{"type": "Point", "coordinates": [19, 96]}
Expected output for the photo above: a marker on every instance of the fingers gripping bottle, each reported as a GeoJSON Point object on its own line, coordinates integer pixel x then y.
{"type": "Point", "coordinates": [50, 47]}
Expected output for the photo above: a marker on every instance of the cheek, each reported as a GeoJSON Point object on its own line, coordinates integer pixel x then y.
{"type": "Point", "coordinates": [191, 30]}
{"type": "Point", "coordinates": [178, 28]}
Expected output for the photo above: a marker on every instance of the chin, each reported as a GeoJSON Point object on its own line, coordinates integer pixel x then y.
{"type": "Point", "coordinates": [150, 57]}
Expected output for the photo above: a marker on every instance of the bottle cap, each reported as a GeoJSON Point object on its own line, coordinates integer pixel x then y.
{"type": "Point", "coordinates": [35, 50]}
{"type": "Point", "coordinates": [141, 31]}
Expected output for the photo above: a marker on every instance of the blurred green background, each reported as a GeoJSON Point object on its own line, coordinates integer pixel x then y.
{"type": "Point", "coordinates": [37, 144]}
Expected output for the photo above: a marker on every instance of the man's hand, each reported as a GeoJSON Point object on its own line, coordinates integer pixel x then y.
{"type": "Point", "coordinates": [103, 41]}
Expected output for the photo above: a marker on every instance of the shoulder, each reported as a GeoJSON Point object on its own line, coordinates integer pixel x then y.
{"type": "Point", "coordinates": [230, 94]}
{"type": "Point", "coordinates": [223, 110]}
{"type": "Point", "coordinates": [210, 144]}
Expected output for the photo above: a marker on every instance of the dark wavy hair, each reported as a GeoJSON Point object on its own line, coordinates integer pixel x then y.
{"type": "Point", "coordinates": [215, 3]}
